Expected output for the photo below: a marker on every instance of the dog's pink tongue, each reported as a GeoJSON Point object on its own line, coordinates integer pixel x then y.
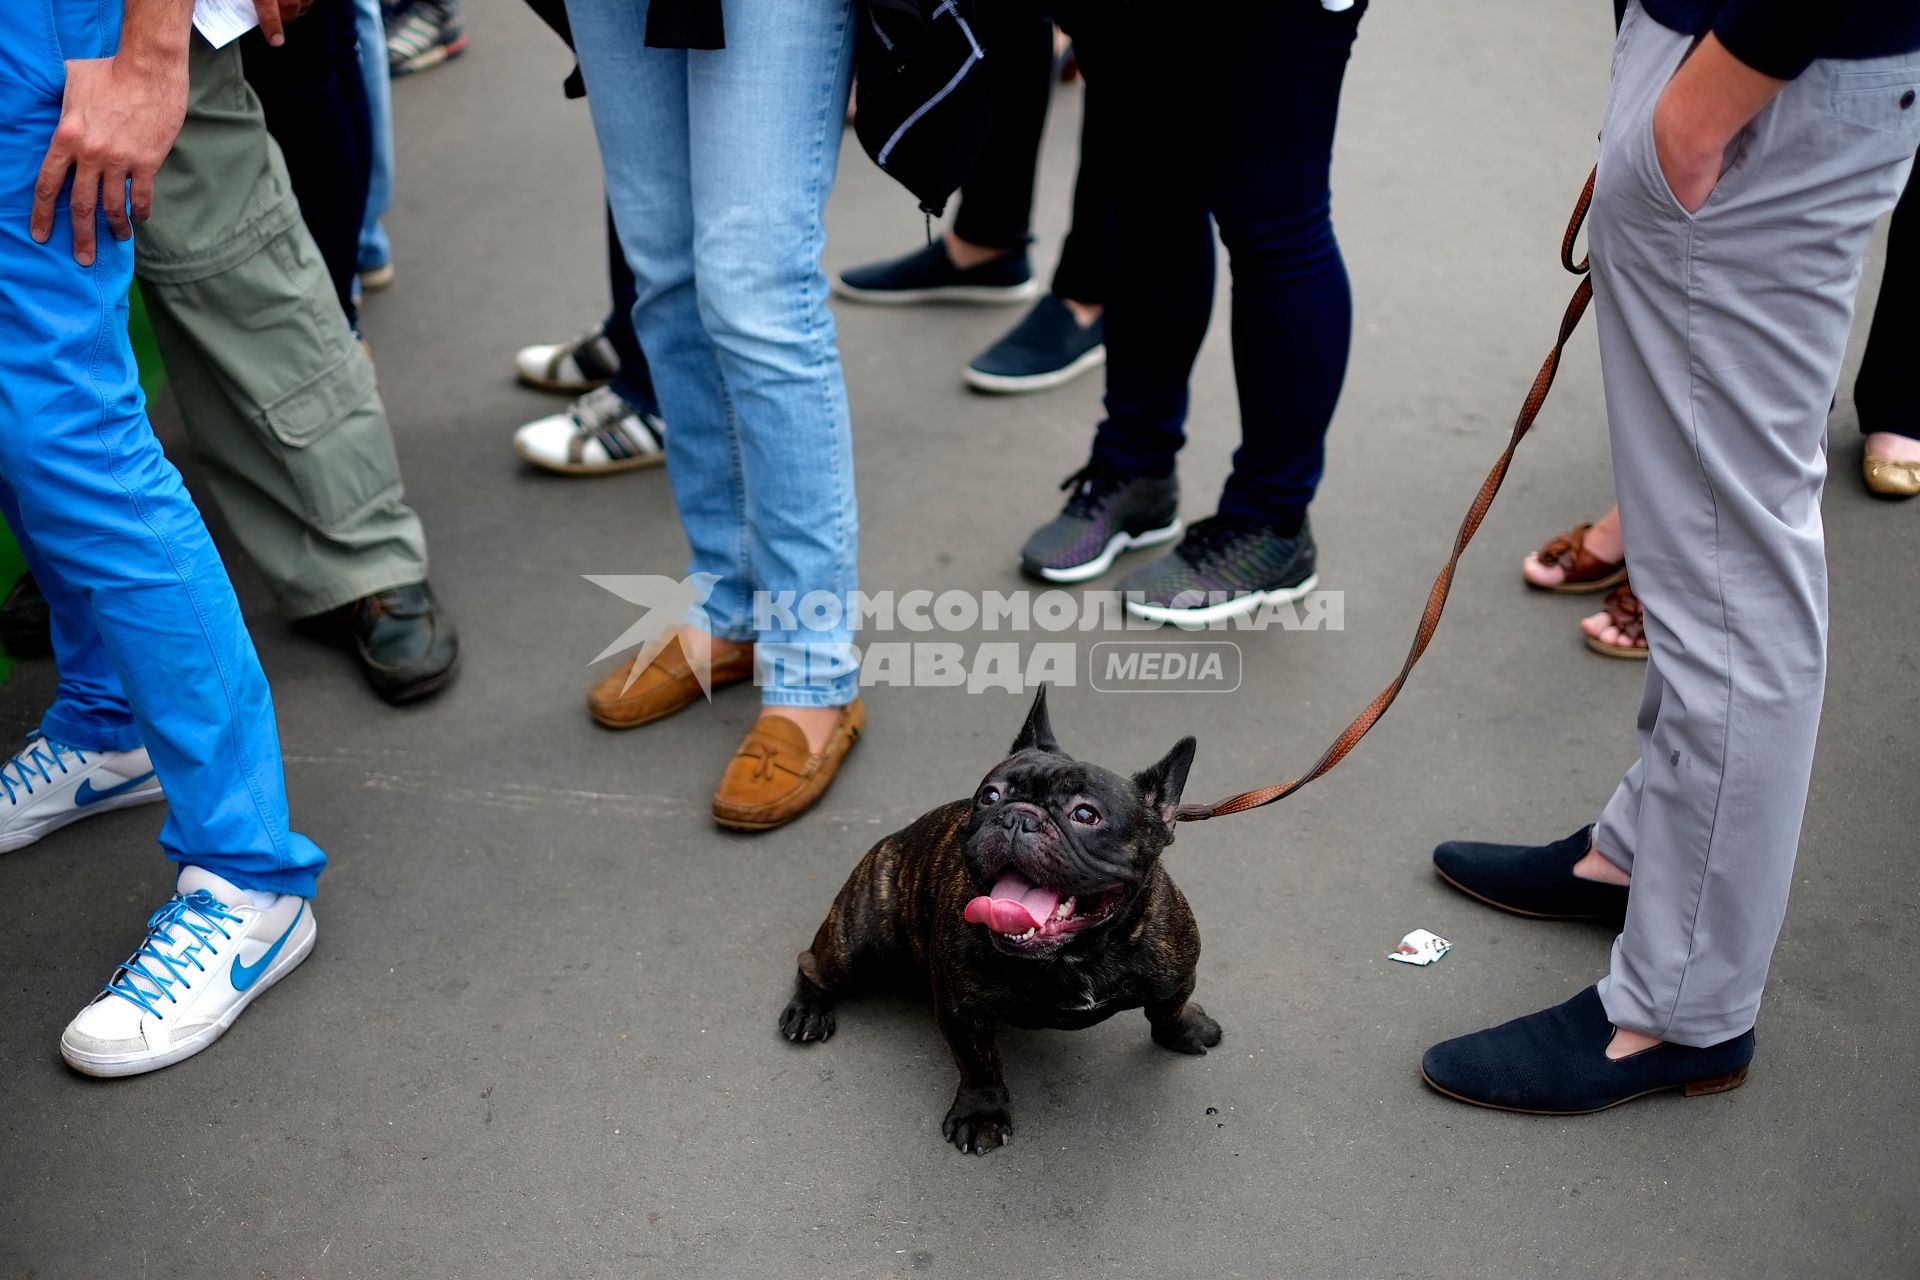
{"type": "Point", "coordinates": [1015, 905]}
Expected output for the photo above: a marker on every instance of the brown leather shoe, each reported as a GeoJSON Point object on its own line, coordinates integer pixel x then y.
{"type": "Point", "coordinates": [773, 778]}
{"type": "Point", "coordinates": [667, 684]}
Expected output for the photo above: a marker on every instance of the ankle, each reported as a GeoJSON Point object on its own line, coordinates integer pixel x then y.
{"type": "Point", "coordinates": [965, 254]}
{"type": "Point", "coordinates": [1595, 866]}
{"type": "Point", "coordinates": [716, 648]}
{"type": "Point", "coordinates": [1603, 538]}
{"type": "Point", "coordinates": [1626, 1043]}
{"type": "Point", "coordinates": [1085, 314]}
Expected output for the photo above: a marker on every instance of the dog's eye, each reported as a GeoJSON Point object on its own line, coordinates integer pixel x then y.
{"type": "Point", "coordinates": [1085, 815]}
{"type": "Point", "coordinates": [990, 796]}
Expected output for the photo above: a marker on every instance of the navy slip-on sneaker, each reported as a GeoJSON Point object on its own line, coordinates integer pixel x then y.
{"type": "Point", "coordinates": [928, 275]}
{"type": "Point", "coordinates": [1532, 880]}
{"type": "Point", "coordinates": [1047, 349]}
{"type": "Point", "coordinates": [1555, 1063]}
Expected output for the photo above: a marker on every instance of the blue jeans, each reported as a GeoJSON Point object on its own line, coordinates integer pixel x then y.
{"type": "Point", "coordinates": [371, 30]}
{"type": "Point", "coordinates": [719, 163]}
{"type": "Point", "coordinates": [151, 646]}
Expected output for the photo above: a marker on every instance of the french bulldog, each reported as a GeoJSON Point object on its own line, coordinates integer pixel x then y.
{"type": "Point", "coordinates": [1041, 901]}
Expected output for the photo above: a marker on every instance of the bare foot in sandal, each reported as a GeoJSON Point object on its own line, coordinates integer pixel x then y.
{"type": "Point", "coordinates": [1619, 630]}
{"type": "Point", "coordinates": [1587, 557]}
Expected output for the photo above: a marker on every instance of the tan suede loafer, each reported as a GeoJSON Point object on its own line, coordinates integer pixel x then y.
{"type": "Point", "coordinates": [774, 778]}
{"type": "Point", "coordinates": [667, 684]}
{"type": "Point", "coordinates": [1890, 477]}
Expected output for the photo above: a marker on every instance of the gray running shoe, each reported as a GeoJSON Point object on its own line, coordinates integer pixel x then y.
{"type": "Point", "coordinates": [1107, 513]}
{"type": "Point", "coordinates": [1223, 568]}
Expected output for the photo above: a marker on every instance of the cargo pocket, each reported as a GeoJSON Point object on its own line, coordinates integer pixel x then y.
{"type": "Point", "coordinates": [270, 335]}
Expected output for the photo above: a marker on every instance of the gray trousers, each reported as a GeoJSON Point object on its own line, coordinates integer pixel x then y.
{"type": "Point", "coordinates": [1721, 338]}
{"type": "Point", "coordinates": [276, 393]}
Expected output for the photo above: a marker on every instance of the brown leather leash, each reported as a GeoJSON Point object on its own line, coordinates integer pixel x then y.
{"type": "Point", "coordinates": [1437, 597]}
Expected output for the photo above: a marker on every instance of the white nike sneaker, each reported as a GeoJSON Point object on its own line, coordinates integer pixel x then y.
{"type": "Point", "coordinates": [208, 953]}
{"type": "Point", "coordinates": [49, 784]}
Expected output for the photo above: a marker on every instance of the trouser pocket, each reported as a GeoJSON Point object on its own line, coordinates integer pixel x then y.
{"type": "Point", "coordinates": [266, 336]}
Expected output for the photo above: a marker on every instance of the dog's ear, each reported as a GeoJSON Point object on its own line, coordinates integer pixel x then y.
{"type": "Point", "coordinates": [1160, 786]}
{"type": "Point", "coordinates": [1037, 732]}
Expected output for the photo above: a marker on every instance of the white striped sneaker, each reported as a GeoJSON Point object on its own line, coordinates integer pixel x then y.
{"type": "Point", "coordinates": [422, 34]}
{"type": "Point", "coordinates": [599, 434]}
{"type": "Point", "coordinates": [576, 365]}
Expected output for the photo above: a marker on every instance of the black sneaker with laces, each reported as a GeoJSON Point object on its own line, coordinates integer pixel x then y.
{"type": "Point", "coordinates": [1107, 512]}
{"type": "Point", "coordinates": [1048, 348]}
{"type": "Point", "coordinates": [1225, 567]}
{"type": "Point", "coordinates": [928, 275]}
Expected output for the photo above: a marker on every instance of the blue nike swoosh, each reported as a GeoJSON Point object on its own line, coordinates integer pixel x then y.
{"type": "Point", "coordinates": [86, 794]}
{"type": "Point", "coordinates": [245, 975]}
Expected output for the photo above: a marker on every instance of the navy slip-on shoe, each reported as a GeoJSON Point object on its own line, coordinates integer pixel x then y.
{"type": "Point", "coordinates": [1555, 1063]}
{"type": "Point", "coordinates": [928, 275]}
{"type": "Point", "coordinates": [1047, 349]}
{"type": "Point", "coordinates": [1532, 880]}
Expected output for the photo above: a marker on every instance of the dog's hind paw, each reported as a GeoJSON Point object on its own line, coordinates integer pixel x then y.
{"type": "Point", "coordinates": [804, 1021]}
{"type": "Point", "coordinates": [978, 1120]}
{"type": "Point", "coordinates": [1192, 1032]}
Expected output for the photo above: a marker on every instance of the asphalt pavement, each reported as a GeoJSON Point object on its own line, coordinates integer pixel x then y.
{"type": "Point", "coordinates": [537, 1036]}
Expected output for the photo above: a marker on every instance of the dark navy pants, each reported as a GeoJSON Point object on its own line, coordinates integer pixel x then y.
{"type": "Point", "coordinates": [1225, 121]}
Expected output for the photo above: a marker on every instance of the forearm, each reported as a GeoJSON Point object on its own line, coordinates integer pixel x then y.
{"type": "Point", "coordinates": [1714, 94]}
{"type": "Point", "coordinates": [154, 35]}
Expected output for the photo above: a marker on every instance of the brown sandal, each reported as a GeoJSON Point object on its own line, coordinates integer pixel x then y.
{"type": "Point", "coordinates": [1624, 612]}
{"type": "Point", "coordinates": [1585, 572]}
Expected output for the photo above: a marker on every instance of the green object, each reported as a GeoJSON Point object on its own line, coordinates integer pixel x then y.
{"type": "Point", "coordinates": [275, 393]}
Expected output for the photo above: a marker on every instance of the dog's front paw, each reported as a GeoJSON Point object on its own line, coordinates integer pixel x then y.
{"type": "Point", "coordinates": [1192, 1032]}
{"type": "Point", "coordinates": [805, 1020]}
{"type": "Point", "coordinates": [978, 1120]}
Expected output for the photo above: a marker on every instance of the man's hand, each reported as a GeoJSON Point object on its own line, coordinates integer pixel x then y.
{"type": "Point", "coordinates": [274, 16]}
{"type": "Point", "coordinates": [118, 120]}
{"type": "Point", "coordinates": [1709, 100]}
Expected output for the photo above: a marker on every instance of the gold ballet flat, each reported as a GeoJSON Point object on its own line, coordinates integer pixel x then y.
{"type": "Point", "coordinates": [1890, 477]}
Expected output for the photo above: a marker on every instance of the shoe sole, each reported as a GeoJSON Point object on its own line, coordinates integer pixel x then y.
{"type": "Point", "coordinates": [379, 278]}
{"type": "Point", "coordinates": [39, 831]}
{"type": "Point", "coordinates": [428, 58]}
{"type": "Point", "coordinates": [981, 294]}
{"type": "Point", "coordinates": [564, 386]}
{"type": "Point", "coordinates": [423, 689]}
{"type": "Point", "coordinates": [1238, 607]}
{"type": "Point", "coordinates": [1629, 652]}
{"type": "Point", "coordinates": [1607, 583]}
{"type": "Point", "coordinates": [1118, 543]}
{"type": "Point", "coordinates": [114, 1066]}
{"type": "Point", "coordinates": [1691, 1088]}
{"type": "Point", "coordinates": [616, 467]}
{"type": "Point", "coordinates": [1001, 384]}
{"type": "Point", "coordinates": [1516, 911]}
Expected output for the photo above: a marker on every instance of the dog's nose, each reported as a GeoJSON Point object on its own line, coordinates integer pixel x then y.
{"type": "Point", "coordinates": [1023, 818]}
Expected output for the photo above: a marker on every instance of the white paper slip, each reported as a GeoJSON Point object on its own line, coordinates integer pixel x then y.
{"type": "Point", "coordinates": [1422, 946]}
{"type": "Point", "coordinates": [221, 22]}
